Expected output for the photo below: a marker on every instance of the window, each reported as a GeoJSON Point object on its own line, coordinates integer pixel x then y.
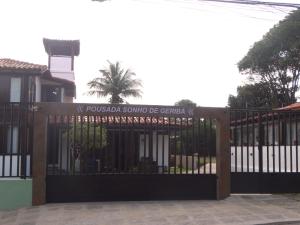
{"type": "Point", "coordinates": [51, 93]}
{"type": "Point", "coordinates": [15, 89]}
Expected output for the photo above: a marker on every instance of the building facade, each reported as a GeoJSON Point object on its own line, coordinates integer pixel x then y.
{"type": "Point", "coordinates": [21, 85]}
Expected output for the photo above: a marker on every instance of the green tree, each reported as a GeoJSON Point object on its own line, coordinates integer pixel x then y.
{"type": "Point", "coordinates": [255, 95]}
{"type": "Point", "coordinates": [275, 60]}
{"type": "Point", "coordinates": [117, 83]}
{"type": "Point", "coordinates": [185, 103]}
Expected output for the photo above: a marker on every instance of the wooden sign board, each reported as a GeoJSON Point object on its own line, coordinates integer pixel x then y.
{"type": "Point", "coordinates": [136, 110]}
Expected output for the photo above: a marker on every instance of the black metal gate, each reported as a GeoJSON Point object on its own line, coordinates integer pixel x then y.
{"type": "Point", "coordinates": [111, 152]}
{"type": "Point", "coordinates": [265, 151]}
{"type": "Point", "coordinates": [16, 135]}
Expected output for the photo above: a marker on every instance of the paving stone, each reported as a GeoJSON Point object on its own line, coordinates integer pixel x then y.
{"type": "Point", "coordinates": [242, 210]}
{"type": "Point", "coordinates": [9, 214]}
{"type": "Point", "coordinates": [27, 223]}
{"type": "Point", "coordinates": [9, 220]}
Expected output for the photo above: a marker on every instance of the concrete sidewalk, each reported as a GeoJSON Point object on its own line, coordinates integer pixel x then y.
{"type": "Point", "coordinates": [238, 209]}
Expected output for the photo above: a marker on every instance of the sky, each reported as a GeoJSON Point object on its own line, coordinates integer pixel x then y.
{"type": "Point", "coordinates": [180, 49]}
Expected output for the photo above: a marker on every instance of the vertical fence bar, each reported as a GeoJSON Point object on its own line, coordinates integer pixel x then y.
{"type": "Point", "coordinates": [113, 152]}
{"type": "Point", "coordinates": [210, 145]}
{"type": "Point", "coordinates": [135, 153]}
{"type": "Point", "coordinates": [86, 155]}
{"type": "Point", "coordinates": [169, 143]}
{"type": "Point", "coordinates": [95, 165]}
{"type": "Point", "coordinates": [102, 154]}
{"type": "Point", "coordinates": [291, 142]}
{"type": "Point", "coordinates": [60, 143]}
{"type": "Point", "coordinates": [55, 145]}
{"type": "Point", "coordinates": [145, 140]}
{"type": "Point", "coordinates": [81, 146]}
{"type": "Point", "coordinates": [235, 140]}
{"type": "Point", "coordinates": [163, 145]}
{"type": "Point", "coordinates": [119, 147]}
{"type": "Point", "coordinates": [284, 137]}
{"type": "Point", "coordinates": [199, 144]}
{"type": "Point", "coordinates": [260, 142]}
{"type": "Point", "coordinates": [24, 158]}
{"type": "Point", "coordinates": [175, 145]}
{"type": "Point", "coordinates": [19, 142]}
{"type": "Point", "coordinates": [279, 142]}
{"type": "Point", "coordinates": [273, 141]}
{"type": "Point", "coordinates": [32, 135]}
{"type": "Point", "coordinates": [108, 159]}
{"type": "Point", "coordinates": [157, 121]}
{"type": "Point", "coordinates": [267, 141]}
{"type": "Point", "coordinates": [74, 153]}
{"type": "Point", "coordinates": [126, 144]}
{"type": "Point", "coordinates": [253, 141]}
{"type": "Point", "coordinates": [94, 148]}
{"type": "Point", "coordinates": [149, 152]}
{"type": "Point", "coordinates": [3, 140]}
{"type": "Point", "coordinates": [181, 147]}
{"type": "Point", "coordinates": [242, 142]}
{"type": "Point", "coordinates": [205, 145]}
{"type": "Point", "coordinates": [11, 138]}
{"type": "Point", "coordinates": [193, 144]}
{"type": "Point", "coordinates": [68, 146]}
{"type": "Point", "coordinates": [297, 141]}
{"type": "Point", "coordinates": [186, 146]}
{"type": "Point", "coordinates": [247, 133]}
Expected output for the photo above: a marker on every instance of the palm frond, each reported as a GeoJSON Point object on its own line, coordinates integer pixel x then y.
{"type": "Point", "coordinates": [115, 82]}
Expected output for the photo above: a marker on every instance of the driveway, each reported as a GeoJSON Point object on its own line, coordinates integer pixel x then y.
{"type": "Point", "coordinates": [237, 209]}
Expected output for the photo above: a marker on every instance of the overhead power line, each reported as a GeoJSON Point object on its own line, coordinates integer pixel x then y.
{"type": "Point", "coordinates": [248, 2]}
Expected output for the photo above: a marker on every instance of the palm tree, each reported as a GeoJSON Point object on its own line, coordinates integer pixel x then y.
{"type": "Point", "coordinates": [117, 83]}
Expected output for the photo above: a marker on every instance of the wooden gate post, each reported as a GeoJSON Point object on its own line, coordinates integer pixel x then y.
{"type": "Point", "coordinates": [223, 154]}
{"type": "Point", "coordinates": [39, 162]}
{"type": "Point", "coordinates": [222, 146]}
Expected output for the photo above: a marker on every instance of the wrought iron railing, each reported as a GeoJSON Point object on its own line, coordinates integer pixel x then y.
{"type": "Point", "coordinates": [16, 138]}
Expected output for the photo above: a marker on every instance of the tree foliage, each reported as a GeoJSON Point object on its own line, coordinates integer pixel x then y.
{"type": "Point", "coordinates": [275, 60]}
{"type": "Point", "coordinates": [252, 96]}
{"type": "Point", "coordinates": [117, 83]}
{"type": "Point", "coordinates": [185, 103]}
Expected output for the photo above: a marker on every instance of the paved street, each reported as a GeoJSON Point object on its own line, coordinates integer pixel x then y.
{"type": "Point", "coordinates": [238, 209]}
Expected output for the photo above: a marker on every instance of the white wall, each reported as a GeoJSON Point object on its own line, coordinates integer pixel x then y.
{"type": "Point", "coordinates": [163, 148]}
{"type": "Point", "coordinates": [61, 67]}
{"type": "Point", "coordinates": [61, 63]}
{"type": "Point", "coordinates": [289, 151]}
{"type": "Point", "coordinates": [13, 160]}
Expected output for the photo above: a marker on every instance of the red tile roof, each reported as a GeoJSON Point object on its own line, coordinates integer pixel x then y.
{"type": "Point", "coordinates": [19, 66]}
{"type": "Point", "coordinates": [295, 106]}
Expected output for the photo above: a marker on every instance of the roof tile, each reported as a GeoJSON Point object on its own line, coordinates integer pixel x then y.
{"type": "Point", "coordinates": [294, 106]}
{"type": "Point", "coordinates": [15, 65]}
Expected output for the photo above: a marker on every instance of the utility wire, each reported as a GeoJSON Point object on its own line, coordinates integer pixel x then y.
{"type": "Point", "coordinates": [247, 2]}
{"type": "Point", "coordinates": [236, 9]}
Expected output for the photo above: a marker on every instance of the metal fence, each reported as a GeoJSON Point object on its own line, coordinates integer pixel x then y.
{"type": "Point", "coordinates": [16, 136]}
{"type": "Point", "coordinates": [84, 145]}
{"type": "Point", "coordinates": [265, 141]}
